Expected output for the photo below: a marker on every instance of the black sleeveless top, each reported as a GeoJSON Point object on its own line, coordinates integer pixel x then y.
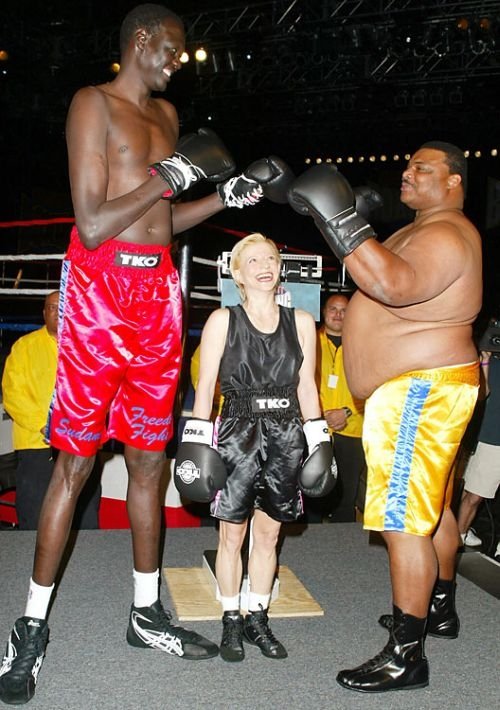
{"type": "Point", "coordinates": [255, 362]}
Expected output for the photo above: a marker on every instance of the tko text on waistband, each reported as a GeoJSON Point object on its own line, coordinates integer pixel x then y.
{"type": "Point", "coordinates": [269, 404]}
{"type": "Point", "coordinates": [137, 261]}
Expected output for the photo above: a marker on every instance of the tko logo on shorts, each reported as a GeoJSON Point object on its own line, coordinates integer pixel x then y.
{"type": "Point", "coordinates": [269, 404]}
{"type": "Point", "coordinates": [137, 261]}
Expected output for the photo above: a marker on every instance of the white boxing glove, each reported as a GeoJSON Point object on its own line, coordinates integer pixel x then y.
{"type": "Point", "coordinates": [316, 431]}
{"type": "Point", "coordinates": [198, 431]}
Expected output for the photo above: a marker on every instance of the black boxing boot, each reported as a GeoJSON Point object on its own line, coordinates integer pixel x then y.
{"type": "Point", "coordinates": [231, 647]}
{"type": "Point", "coordinates": [401, 665]}
{"type": "Point", "coordinates": [443, 621]}
{"type": "Point", "coordinates": [386, 621]}
{"type": "Point", "coordinates": [151, 627]}
{"type": "Point", "coordinates": [257, 632]}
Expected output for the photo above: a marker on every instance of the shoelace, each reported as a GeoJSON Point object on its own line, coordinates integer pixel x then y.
{"type": "Point", "coordinates": [231, 633]}
{"type": "Point", "coordinates": [165, 617]}
{"type": "Point", "coordinates": [190, 173]}
{"type": "Point", "coordinates": [246, 198]}
{"type": "Point", "coordinates": [385, 655]}
{"type": "Point", "coordinates": [262, 625]}
{"type": "Point", "coordinates": [23, 664]}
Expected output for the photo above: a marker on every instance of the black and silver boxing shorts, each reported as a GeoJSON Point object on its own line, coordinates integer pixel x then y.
{"type": "Point", "coordinates": [261, 442]}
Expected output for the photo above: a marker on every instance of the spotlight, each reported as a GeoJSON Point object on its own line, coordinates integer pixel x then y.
{"type": "Point", "coordinates": [482, 39]}
{"type": "Point", "coordinates": [318, 161]}
{"type": "Point", "coordinates": [184, 58]}
{"type": "Point", "coordinates": [4, 55]}
{"type": "Point", "coordinates": [372, 158]}
{"type": "Point", "coordinates": [442, 48]}
{"type": "Point", "coordinates": [494, 152]}
{"type": "Point", "coordinates": [395, 157]}
{"type": "Point", "coordinates": [383, 158]}
{"type": "Point", "coordinates": [477, 154]}
{"type": "Point", "coordinates": [201, 54]}
{"type": "Point", "coordinates": [463, 24]}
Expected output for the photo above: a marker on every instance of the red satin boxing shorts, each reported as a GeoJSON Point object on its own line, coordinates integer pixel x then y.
{"type": "Point", "coordinates": [119, 340]}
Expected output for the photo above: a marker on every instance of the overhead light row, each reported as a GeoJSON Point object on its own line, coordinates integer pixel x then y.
{"type": "Point", "coordinates": [493, 153]}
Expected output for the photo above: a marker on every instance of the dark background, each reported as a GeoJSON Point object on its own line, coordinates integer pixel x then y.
{"type": "Point", "coordinates": [298, 79]}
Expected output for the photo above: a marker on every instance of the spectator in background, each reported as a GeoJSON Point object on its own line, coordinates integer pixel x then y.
{"type": "Point", "coordinates": [27, 384]}
{"type": "Point", "coordinates": [342, 411]}
{"type": "Point", "coordinates": [482, 475]}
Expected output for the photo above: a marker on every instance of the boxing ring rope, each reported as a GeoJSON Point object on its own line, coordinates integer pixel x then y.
{"type": "Point", "coordinates": [59, 257]}
{"type": "Point", "coordinates": [27, 281]}
{"type": "Point", "coordinates": [52, 284]}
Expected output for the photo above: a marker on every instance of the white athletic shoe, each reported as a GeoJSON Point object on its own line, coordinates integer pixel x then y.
{"type": "Point", "coordinates": [470, 539]}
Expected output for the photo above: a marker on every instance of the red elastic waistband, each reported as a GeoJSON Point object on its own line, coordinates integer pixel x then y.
{"type": "Point", "coordinates": [126, 257]}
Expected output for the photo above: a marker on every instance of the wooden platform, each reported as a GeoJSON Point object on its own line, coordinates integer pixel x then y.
{"type": "Point", "coordinates": [193, 595]}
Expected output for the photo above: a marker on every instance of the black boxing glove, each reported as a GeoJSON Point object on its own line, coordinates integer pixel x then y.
{"type": "Point", "coordinates": [198, 156]}
{"type": "Point", "coordinates": [318, 475]}
{"type": "Point", "coordinates": [324, 194]}
{"type": "Point", "coordinates": [268, 177]}
{"type": "Point", "coordinates": [199, 471]}
{"type": "Point", "coordinates": [367, 200]}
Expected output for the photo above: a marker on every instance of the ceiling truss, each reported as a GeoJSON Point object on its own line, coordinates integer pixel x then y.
{"type": "Point", "coordinates": [285, 63]}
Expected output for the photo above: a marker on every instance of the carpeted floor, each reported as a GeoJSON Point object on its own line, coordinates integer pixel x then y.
{"type": "Point", "coordinates": [89, 665]}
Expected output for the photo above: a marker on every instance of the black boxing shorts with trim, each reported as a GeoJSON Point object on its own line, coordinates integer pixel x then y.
{"type": "Point", "coordinates": [261, 441]}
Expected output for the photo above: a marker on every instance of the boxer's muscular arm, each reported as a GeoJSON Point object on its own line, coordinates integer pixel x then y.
{"type": "Point", "coordinates": [188, 214]}
{"type": "Point", "coordinates": [97, 218]}
{"type": "Point", "coordinates": [267, 177]}
{"type": "Point", "coordinates": [433, 259]}
{"type": "Point", "coordinates": [213, 340]}
{"type": "Point", "coordinates": [307, 392]}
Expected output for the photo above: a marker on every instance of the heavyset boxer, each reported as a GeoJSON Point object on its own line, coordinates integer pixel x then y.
{"type": "Point", "coordinates": [408, 349]}
{"type": "Point", "coordinates": [120, 318]}
{"type": "Point", "coordinates": [264, 357]}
